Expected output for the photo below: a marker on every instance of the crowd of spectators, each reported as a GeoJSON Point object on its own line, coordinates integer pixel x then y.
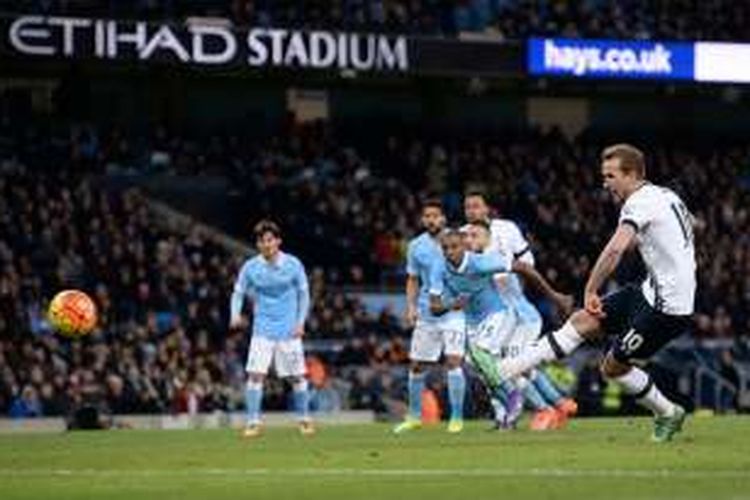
{"type": "Point", "coordinates": [510, 19]}
{"type": "Point", "coordinates": [358, 212]}
{"type": "Point", "coordinates": [162, 343]}
{"type": "Point", "coordinates": [350, 210]}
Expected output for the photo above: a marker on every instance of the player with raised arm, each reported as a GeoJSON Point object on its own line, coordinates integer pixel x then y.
{"type": "Point", "coordinates": [276, 283]}
{"type": "Point", "coordinates": [645, 318]}
{"type": "Point", "coordinates": [433, 335]}
{"type": "Point", "coordinates": [552, 407]}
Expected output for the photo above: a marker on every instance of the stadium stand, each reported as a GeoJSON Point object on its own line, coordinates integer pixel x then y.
{"type": "Point", "coordinates": [510, 19]}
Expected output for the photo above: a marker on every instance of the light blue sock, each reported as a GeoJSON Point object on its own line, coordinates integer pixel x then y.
{"type": "Point", "coordinates": [499, 402]}
{"type": "Point", "coordinates": [501, 394]}
{"type": "Point", "coordinates": [416, 386]}
{"type": "Point", "coordinates": [534, 398]}
{"type": "Point", "coordinates": [302, 400]}
{"type": "Point", "coordinates": [508, 387]}
{"type": "Point", "coordinates": [545, 386]}
{"type": "Point", "coordinates": [456, 392]}
{"type": "Point", "coordinates": [253, 399]}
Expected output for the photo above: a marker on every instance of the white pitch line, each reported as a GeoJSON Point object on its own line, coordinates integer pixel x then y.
{"type": "Point", "coordinates": [351, 472]}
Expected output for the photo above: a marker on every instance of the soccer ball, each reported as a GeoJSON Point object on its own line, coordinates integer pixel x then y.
{"type": "Point", "coordinates": [72, 313]}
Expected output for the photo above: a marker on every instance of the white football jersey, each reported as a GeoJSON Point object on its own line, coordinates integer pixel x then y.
{"type": "Point", "coordinates": [664, 233]}
{"type": "Point", "coordinates": [507, 238]}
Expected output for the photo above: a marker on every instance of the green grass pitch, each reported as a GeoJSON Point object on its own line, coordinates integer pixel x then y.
{"type": "Point", "coordinates": [592, 458]}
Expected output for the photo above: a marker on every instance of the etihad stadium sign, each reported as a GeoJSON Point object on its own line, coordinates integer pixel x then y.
{"type": "Point", "coordinates": [204, 42]}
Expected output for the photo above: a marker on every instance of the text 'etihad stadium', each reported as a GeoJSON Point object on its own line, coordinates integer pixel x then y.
{"type": "Point", "coordinates": [206, 44]}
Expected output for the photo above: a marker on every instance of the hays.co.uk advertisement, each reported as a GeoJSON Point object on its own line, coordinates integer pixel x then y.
{"type": "Point", "coordinates": [611, 59]}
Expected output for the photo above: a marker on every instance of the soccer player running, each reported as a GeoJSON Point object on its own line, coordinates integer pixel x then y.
{"type": "Point", "coordinates": [467, 282]}
{"type": "Point", "coordinates": [433, 335]}
{"type": "Point", "coordinates": [645, 318]}
{"type": "Point", "coordinates": [552, 407]}
{"type": "Point", "coordinates": [508, 338]}
{"type": "Point", "coordinates": [276, 283]}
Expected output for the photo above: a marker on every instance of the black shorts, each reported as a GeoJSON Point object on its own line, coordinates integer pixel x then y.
{"type": "Point", "coordinates": [638, 329]}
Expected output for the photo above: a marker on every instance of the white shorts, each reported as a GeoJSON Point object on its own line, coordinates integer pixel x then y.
{"type": "Point", "coordinates": [287, 355]}
{"type": "Point", "coordinates": [523, 335]}
{"type": "Point", "coordinates": [432, 338]}
{"type": "Point", "coordinates": [494, 332]}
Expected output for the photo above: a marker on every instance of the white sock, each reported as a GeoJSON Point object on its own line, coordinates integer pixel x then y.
{"type": "Point", "coordinates": [557, 344]}
{"type": "Point", "coordinates": [638, 383]}
{"type": "Point", "coordinates": [567, 338]}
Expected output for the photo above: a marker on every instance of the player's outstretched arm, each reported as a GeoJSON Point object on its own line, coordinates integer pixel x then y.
{"type": "Point", "coordinates": [605, 265]}
{"type": "Point", "coordinates": [563, 301]}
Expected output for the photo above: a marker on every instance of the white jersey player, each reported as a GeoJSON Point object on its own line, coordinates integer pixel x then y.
{"type": "Point", "coordinates": [644, 318]}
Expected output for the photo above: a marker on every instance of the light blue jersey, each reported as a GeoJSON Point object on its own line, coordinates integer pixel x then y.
{"type": "Point", "coordinates": [512, 292]}
{"type": "Point", "coordinates": [424, 259]}
{"type": "Point", "coordinates": [474, 280]}
{"type": "Point", "coordinates": [280, 295]}
{"type": "Point", "coordinates": [506, 237]}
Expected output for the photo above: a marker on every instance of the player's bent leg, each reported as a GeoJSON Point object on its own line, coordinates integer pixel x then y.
{"type": "Point", "coordinates": [555, 345]}
{"type": "Point", "coordinates": [565, 406]}
{"type": "Point", "coordinates": [486, 365]}
{"type": "Point", "coordinates": [546, 388]}
{"type": "Point", "coordinates": [504, 392]}
{"type": "Point", "coordinates": [669, 417]}
{"type": "Point", "coordinates": [456, 392]}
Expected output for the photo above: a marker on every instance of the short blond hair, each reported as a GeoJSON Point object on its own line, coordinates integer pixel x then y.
{"type": "Point", "coordinates": [631, 158]}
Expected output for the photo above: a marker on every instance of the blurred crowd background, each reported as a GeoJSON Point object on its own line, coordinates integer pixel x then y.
{"type": "Point", "coordinates": [512, 19]}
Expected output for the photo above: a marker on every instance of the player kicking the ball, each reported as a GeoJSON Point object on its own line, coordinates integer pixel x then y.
{"type": "Point", "coordinates": [643, 319]}
{"type": "Point", "coordinates": [276, 283]}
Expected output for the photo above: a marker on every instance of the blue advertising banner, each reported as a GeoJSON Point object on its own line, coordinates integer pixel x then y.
{"type": "Point", "coordinates": [611, 59]}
